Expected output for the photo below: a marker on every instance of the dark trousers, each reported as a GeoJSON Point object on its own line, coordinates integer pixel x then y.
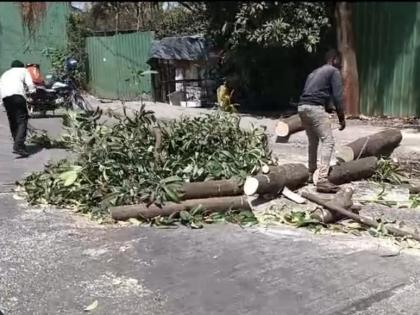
{"type": "Point", "coordinates": [17, 113]}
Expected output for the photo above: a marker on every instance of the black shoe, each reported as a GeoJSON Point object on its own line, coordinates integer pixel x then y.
{"type": "Point", "coordinates": [21, 151]}
{"type": "Point", "coordinates": [327, 187]}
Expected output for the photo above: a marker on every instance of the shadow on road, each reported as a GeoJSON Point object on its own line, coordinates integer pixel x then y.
{"type": "Point", "coordinates": [33, 149]}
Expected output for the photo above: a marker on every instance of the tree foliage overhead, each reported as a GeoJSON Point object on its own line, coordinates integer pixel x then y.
{"type": "Point", "coordinates": [111, 16]}
{"type": "Point", "coordinates": [284, 24]}
{"type": "Point", "coordinates": [231, 23]}
{"type": "Point", "coordinates": [178, 20]}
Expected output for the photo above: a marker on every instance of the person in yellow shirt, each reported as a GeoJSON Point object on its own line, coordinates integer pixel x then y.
{"type": "Point", "coordinates": [224, 98]}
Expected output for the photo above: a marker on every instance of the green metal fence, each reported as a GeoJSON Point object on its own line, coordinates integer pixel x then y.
{"type": "Point", "coordinates": [387, 38]}
{"type": "Point", "coordinates": [15, 42]}
{"type": "Point", "coordinates": [113, 60]}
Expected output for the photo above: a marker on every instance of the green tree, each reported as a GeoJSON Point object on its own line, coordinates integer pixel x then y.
{"type": "Point", "coordinates": [115, 16]}
{"type": "Point", "coordinates": [181, 21]}
{"type": "Point", "coordinates": [281, 24]}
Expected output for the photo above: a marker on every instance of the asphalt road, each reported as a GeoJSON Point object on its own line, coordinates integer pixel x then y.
{"type": "Point", "coordinates": [57, 262]}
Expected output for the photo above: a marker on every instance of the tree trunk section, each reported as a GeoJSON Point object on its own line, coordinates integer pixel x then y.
{"type": "Point", "coordinates": [158, 145]}
{"type": "Point", "coordinates": [296, 175]}
{"type": "Point", "coordinates": [364, 220]}
{"type": "Point", "coordinates": [378, 144]}
{"type": "Point", "coordinates": [271, 183]}
{"type": "Point", "coordinates": [288, 126]}
{"type": "Point", "coordinates": [342, 199]}
{"type": "Point", "coordinates": [211, 188]}
{"type": "Point", "coordinates": [349, 62]}
{"type": "Point", "coordinates": [142, 211]}
{"type": "Point", "coordinates": [292, 176]}
{"type": "Point", "coordinates": [351, 171]}
{"type": "Point", "coordinates": [413, 186]}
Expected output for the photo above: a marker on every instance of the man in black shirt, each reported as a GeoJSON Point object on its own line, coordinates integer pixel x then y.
{"type": "Point", "coordinates": [321, 85]}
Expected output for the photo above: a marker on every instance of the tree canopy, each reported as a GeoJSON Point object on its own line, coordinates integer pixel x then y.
{"type": "Point", "coordinates": [231, 23]}
{"type": "Point", "coordinates": [266, 23]}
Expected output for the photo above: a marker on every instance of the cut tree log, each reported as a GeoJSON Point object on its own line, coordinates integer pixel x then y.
{"type": "Point", "coordinates": [342, 199]}
{"type": "Point", "coordinates": [413, 186]}
{"type": "Point", "coordinates": [158, 144]}
{"type": "Point", "coordinates": [296, 174]}
{"type": "Point", "coordinates": [287, 126]}
{"type": "Point", "coordinates": [142, 211]}
{"type": "Point", "coordinates": [364, 220]}
{"type": "Point", "coordinates": [351, 171]}
{"type": "Point", "coordinates": [292, 176]}
{"type": "Point", "coordinates": [211, 188]}
{"type": "Point", "coordinates": [271, 183]}
{"type": "Point", "coordinates": [378, 144]}
{"type": "Point", "coordinates": [265, 169]}
{"type": "Point", "coordinates": [292, 196]}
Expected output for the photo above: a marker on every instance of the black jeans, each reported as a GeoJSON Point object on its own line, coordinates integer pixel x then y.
{"type": "Point", "coordinates": [17, 113]}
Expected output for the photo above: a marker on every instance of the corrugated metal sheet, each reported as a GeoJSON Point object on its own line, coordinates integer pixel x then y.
{"type": "Point", "coordinates": [387, 39]}
{"type": "Point", "coordinates": [102, 66]}
{"type": "Point", "coordinates": [113, 61]}
{"type": "Point", "coordinates": [180, 48]}
{"type": "Point", "coordinates": [15, 43]}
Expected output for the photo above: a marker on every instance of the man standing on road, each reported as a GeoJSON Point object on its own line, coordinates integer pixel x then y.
{"type": "Point", "coordinates": [321, 85]}
{"type": "Point", "coordinates": [12, 91]}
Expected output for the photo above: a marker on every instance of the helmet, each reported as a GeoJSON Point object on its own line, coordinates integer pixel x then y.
{"type": "Point", "coordinates": [71, 64]}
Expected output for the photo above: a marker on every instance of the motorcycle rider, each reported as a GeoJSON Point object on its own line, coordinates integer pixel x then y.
{"type": "Point", "coordinates": [12, 90]}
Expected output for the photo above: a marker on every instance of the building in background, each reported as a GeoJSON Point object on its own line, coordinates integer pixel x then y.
{"type": "Point", "coordinates": [183, 65]}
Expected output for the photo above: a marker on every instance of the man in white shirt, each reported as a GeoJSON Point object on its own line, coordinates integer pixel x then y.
{"type": "Point", "coordinates": [12, 90]}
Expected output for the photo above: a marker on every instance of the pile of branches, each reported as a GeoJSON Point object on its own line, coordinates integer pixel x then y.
{"type": "Point", "coordinates": [131, 159]}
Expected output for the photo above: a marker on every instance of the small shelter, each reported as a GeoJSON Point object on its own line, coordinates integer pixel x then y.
{"type": "Point", "coordinates": [184, 65]}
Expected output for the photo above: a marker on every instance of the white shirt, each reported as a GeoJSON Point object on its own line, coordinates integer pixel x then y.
{"type": "Point", "coordinates": [13, 82]}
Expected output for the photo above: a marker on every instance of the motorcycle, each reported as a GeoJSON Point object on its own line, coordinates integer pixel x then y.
{"type": "Point", "coordinates": [57, 92]}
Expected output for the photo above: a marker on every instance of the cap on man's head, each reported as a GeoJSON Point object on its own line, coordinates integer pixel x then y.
{"type": "Point", "coordinates": [17, 64]}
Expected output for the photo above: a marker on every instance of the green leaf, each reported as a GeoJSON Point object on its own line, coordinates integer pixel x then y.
{"type": "Point", "coordinates": [188, 169]}
{"type": "Point", "coordinates": [91, 307]}
{"type": "Point", "coordinates": [69, 177]}
{"type": "Point", "coordinates": [185, 216]}
{"type": "Point", "coordinates": [353, 225]}
{"type": "Point", "coordinates": [148, 72]}
{"type": "Point", "coordinates": [171, 179]}
{"type": "Point", "coordinates": [171, 194]}
{"type": "Point", "coordinates": [197, 210]}
{"type": "Point", "coordinates": [195, 225]}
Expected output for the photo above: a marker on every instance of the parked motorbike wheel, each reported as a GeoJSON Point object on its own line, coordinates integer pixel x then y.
{"type": "Point", "coordinates": [31, 112]}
